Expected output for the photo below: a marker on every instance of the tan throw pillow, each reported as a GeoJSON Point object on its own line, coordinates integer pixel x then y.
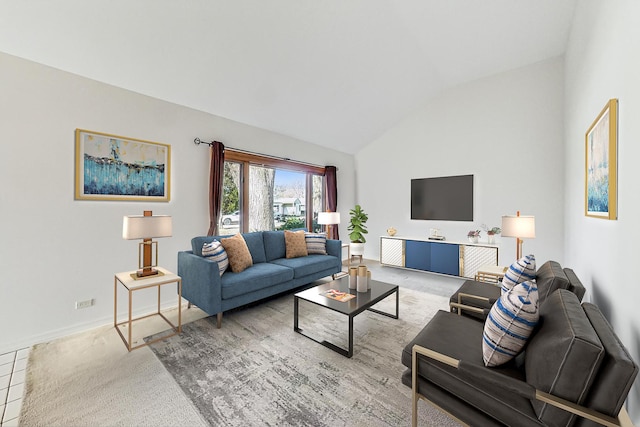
{"type": "Point", "coordinates": [295, 243]}
{"type": "Point", "coordinates": [238, 253]}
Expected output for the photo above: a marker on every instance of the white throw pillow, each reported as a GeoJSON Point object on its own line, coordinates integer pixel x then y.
{"type": "Point", "coordinates": [216, 252]}
{"type": "Point", "coordinates": [520, 271]}
{"type": "Point", "coordinates": [510, 323]}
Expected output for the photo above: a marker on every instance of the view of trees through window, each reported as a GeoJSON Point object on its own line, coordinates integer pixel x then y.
{"type": "Point", "coordinates": [276, 199]}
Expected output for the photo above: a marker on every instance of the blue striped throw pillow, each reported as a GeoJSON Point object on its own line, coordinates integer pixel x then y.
{"type": "Point", "coordinates": [216, 252]}
{"type": "Point", "coordinates": [510, 323]}
{"type": "Point", "coordinates": [520, 271]}
{"type": "Point", "coordinates": [316, 243]}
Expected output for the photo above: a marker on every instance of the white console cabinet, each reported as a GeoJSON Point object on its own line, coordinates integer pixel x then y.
{"type": "Point", "coordinates": [437, 256]}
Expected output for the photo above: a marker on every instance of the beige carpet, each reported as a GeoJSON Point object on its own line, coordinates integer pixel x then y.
{"type": "Point", "coordinates": [90, 379]}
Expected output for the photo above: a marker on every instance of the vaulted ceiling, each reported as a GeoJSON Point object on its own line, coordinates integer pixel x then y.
{"type": "Point", "coordinates": [337, 73]}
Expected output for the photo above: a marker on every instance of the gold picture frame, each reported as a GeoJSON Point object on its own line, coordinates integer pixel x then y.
{"type": "Point", "coordinates": [112, 167]}
{"type": "Point", "coordinates": [601, 164]}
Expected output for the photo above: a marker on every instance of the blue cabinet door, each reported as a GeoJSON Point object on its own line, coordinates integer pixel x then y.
{"type": "Point", "coordinates": [417, 255]}
{"type": "Point", "coordinates": [445, 258]}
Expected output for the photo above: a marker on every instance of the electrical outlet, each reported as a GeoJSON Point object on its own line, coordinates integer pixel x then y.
{"type": "Point", "coordinates": [84, 304]}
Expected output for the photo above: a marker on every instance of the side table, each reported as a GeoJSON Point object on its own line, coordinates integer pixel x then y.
{"type": "Point", "coordinates": [131, 284]}
{"type": "Point", "coordinates": [490, 274]}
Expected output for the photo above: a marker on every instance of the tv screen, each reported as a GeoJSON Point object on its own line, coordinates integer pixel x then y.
{"type": "Point", "coordinates": [448, 198]}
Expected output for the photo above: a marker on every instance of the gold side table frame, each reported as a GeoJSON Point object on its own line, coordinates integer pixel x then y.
{"type": "Point", "coordinates": [131, 285]}
{"type": "Point", "coordinates": [490, 274]}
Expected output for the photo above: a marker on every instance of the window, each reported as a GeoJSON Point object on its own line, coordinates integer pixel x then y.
{"type": "Point", "coordinates": [261, 193]}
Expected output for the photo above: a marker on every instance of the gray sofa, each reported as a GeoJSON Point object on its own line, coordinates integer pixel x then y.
{"type": "Point", "coordinates": [573, 370]}
{"type": "Point", "coordinates": [476, 298]}
{"type": "Point", "coordinates": [272, 273]}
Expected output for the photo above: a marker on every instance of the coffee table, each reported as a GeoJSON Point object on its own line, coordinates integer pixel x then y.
{"type": "Point", "coordinates": [363, 301]}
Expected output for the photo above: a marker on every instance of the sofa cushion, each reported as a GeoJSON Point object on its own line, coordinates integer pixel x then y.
{"type": "Point", "coordinates": [521, 270]}
{"type": "Point", "coordinates": [575, 285]}
{"type": "Point", "coordinates": [316, 243]}
{"type": "Point", "coordinates": [257, 277]}
{"type": "Point", "coordinates": [238, 252]}
{"type": "Point", "coordinates": [295, 244]}
{"type": "Point", "coordinates": [304, 266]}
{"type": "Point", "coordinates": [616, 374]}
{"type": "Point", "coordinates": [509, 324]}
{"type": "Point", "coordinates": [255, 243]}
{"type": "Point", "coordinates": [563, 355]}
{"type": "Point", "coordinates": [215, 251]}
{"type": "Point", "coordinates": [549, 278]}
{"type": "Point", "coordinates": [274, 246]}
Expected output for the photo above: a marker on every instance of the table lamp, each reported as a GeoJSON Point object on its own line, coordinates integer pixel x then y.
{"type": "Point", "coordinates": [328, 219]}
{"type": "Point", "coordinates": [520, 227]}
{"type": "Point", "coordinates": [146, 227]}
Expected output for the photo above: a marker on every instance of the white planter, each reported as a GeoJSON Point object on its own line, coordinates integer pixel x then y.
{"type": "Point", "coordinates": [357, 249]}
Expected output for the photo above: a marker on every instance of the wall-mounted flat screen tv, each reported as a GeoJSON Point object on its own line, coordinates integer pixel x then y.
{"type": "Point", "coordinates": [447, 198]}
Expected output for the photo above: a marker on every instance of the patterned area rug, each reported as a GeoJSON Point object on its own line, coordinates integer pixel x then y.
{"type": "Point", "coordinates": [256, 370]}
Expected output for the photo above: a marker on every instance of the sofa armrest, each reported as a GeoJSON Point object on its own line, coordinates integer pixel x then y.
{"type": "Point", "coordinates": [490, 377]}
{"type": "Point", "coordinates": [460, 306]}
{"type": "Point", "coordinates": [201, 283]}
{"type": "Point", "coordinates": [334, 248]}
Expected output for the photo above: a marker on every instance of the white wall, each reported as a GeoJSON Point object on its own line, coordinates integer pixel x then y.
{"type": "Point", "coordinates": [602, 62]}
{"type": "Point", "coordinates": [506, 130]}
{"type": "Point", "coordinates": [56, 250]}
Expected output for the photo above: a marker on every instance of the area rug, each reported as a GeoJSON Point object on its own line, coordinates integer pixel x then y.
{"type": "Point", "coordinates": [256, 371]}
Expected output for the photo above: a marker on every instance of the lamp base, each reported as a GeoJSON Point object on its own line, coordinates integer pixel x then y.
{"type": "Point", "coordinates": [140, 274]}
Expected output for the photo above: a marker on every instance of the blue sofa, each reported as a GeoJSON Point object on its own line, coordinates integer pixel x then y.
{"type": "Point", "coordinates": [272, 273]}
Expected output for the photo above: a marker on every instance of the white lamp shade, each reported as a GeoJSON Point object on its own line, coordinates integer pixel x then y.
{"type": "Point", "coordinates": [146, 227]}
{"type": "Point", "coordinates": [523, 227]}
{"type": "Point", "coordinates": [328, 218]}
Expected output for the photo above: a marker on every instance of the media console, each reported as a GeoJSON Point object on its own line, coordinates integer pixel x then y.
{"type": "Point", "coordinates": [443, 257]}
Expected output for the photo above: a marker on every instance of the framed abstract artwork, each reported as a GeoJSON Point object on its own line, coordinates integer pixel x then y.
{"type": "Point", "coordinates": [111, 167]}
{"type": "Point", "coordinates": [601, 154]}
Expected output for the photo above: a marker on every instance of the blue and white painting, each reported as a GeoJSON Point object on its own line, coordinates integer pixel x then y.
{"type": "Point", "coordinates": [116, 168]}
{"type": "Point", "coordinates": [598, 168]}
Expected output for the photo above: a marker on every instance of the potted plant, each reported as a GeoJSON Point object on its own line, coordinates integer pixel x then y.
{"type": "Point", "coordinates": [491, 233]}
{"type": "Point", "coordinates": [473, 236]}
{"type": "Point", "coordinates": [357, 229]}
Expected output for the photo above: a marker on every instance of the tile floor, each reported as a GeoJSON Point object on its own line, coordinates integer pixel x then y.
{"type": "Point", "coordinates": [12, 375]}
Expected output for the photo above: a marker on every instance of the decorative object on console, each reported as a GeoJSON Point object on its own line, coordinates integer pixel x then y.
{"type": "Point", "coordinates": [520, 227]}
{"type": "Point", "coordinates": [491, 233]}
{"type": "Point", "coordinates": [328, 219]}
{"type": "Point", "coordinates": [357, 229]}
{"type": "Point", "coordinates": [601, 177]}
{"type": "Point", "coordinates": [391, 231]}
{"type": "Point", "coordinates": [473, 236]}
{"type": "Point", "coordinates": [146, 227]}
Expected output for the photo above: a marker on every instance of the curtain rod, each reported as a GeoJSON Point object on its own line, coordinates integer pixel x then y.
{"type": "Point", "coordinates": [198, 141]}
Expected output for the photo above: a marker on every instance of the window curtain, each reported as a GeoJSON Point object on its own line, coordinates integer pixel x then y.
{"type": "Point", "coordinates": [331, 194]}
{"type": "Point", "coordinates": [216, 176]}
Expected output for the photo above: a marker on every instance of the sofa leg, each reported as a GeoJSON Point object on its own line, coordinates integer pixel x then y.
{"type": "Point", "coordinates": [219, 320]}
{"type": "Point", "coordinates": [189, 304]}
